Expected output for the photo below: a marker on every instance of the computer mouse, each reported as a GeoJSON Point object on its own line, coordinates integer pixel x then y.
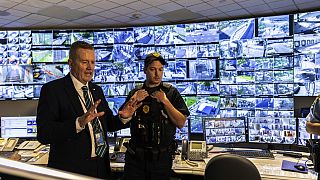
{"type": "Point", "coordinates": [300, 167]}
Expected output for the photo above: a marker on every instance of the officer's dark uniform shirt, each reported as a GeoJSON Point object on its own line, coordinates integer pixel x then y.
{"type": "Point", "coordinates": [151, 126]}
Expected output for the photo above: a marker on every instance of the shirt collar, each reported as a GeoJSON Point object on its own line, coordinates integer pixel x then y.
{"type": "Point", "coordinates": [77, 84]}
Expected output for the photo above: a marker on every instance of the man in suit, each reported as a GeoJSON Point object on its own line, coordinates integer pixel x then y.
{"type": "Point", "coordinates": [75, 122]}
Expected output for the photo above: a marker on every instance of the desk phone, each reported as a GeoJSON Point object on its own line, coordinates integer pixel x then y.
{"type": "Point", "coordinates": [194, 150]}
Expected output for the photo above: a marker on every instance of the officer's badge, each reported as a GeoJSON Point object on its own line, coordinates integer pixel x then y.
{"type": "Point", "coordinates": [145, 109]}
{"type": "Point", "coordinates": [156, 54]}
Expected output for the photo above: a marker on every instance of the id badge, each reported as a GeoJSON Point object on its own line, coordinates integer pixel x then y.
{"type": "Point", "coordinates": [99, 139]}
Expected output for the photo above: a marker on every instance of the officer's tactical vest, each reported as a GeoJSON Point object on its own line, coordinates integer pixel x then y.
{"type": "Point", "coordinates": [151, 125]}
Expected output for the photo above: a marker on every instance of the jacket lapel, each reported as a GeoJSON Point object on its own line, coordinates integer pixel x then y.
{"type": "Point", "coordinates": [73, 95]}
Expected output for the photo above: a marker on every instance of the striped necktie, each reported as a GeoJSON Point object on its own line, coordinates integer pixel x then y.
{"type": "Point", "coordinates": [97, 129]}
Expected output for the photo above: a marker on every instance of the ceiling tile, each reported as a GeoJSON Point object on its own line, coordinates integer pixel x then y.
{"type": "Point", "coordinates": [52, 22]}
{"type": "Point", "coordinates": [210, 12]}
{"type": "Point", "coordinates": [123, 2]}
{"type": "Point", "coordinates": [4, 21]}
{"type": "Point", "coordinates": [153, 11]}
{"type": "Point", "coordinates": [26, 8]}
{"type": "Point", "coordinates": [200, 7]}
{"type": "Point", "coordinates": [87, 1]}
{"type": "Point", "coordinates": [250, 3]}
{"type": "Point", "coordinates": [303, 1]}
{"type": "Point", "coordinates": [106, 5]}
{"type": "Point", "coordinates": [170, 6]}
{"type": "Point", "coordinates": [72, 4]}
{"type": "Point", "coordinates": [37, 17]}
{"type": "Point", "coordinates": [91, 9]}
{"type": "Point", "coordinates": [61, 12]}
{"type": "Point", "coordinates": [94, 18]}
{"type": "Point", "coordinates": [187, 3]}
{"type": "Point", "coordinates": [309, 5]}
{"type": "Point", "coordinates": [152, 19]}
{"type": "Point", "coordinates": [7, 4]}
{"type": "Point", "coordinates": [29, 21]}
{"type": "Point", "coordinates": [282, 3]}
{"type": "Point", "coordinates": [124, 19]}
{"type": "Point", "coordinates": [17, 13]}
{"type": "Point", "coordinates": [285, 9]}
{"type": "Point", "coordinates": [240, 13]}
{"type": "Point", "coordinates": [218, 3]}
{"type": "Point", "coordinates": [257, 9]}
{"type": "Point", "coordinates": [108, 14]}
{"type": "Point", "coordinates": [37, 3]}
{"type": "Point", "coordinates": [18, 1]}
{"type": "Point", "coordinates": [15, 24]}
{"type": "Point", "coordinates": [53, 1]}
{"type": "Point", "coordinates": [156, 2]}
{"type": "Point", "coordinates": [230, 7]}
{"type": "Point", "coordinates": [3, 8]}
{"type": "Point", "coordinates": [138, 5]}
{"type": "Point", "coordinates": [218, 17]}
{"type": "Point", "coordinates": [122, 10]}
{"type": "Point", "coordinates": [110, 22]}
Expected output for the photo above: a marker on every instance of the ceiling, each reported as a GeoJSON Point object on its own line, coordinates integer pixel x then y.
{"type": "Point", "coordinates": [53, 14]}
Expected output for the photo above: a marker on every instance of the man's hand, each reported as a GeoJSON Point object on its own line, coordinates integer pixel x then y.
{"type": "Point", "coordinates": [90, 115]}
{"type": "Point", "coordinates": [133, 104]}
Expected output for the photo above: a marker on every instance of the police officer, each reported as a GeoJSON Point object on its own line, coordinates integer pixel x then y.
{"type": "Point", "coordinates": [153, 126]}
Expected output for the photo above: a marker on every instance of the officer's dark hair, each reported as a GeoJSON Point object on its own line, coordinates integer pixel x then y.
{"type": "Point", "coordinates": [78, 45]}
{"type": "Point", "coordinates": [155, 56]}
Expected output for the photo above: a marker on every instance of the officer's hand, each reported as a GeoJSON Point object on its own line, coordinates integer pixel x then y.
{"type": "Point", "coordinates": [90, 115]}
{"type": "Point", "coordinates": [160, 96]}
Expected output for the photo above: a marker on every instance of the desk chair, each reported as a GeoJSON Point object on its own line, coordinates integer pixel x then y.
{"type": "Point", "coordinates": [230, 167]}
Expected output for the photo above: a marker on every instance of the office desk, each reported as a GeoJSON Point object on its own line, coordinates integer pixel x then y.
{"type": "Point", "coordinates": [268, 168]}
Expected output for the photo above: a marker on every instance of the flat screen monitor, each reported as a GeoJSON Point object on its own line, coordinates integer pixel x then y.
{"type": "Point", "coordinates": [273, 26]}
{"type": "Point", "coordinates": [124, 133]}
{"type": "Point", "coordinates": [272, 130]}
{"type": "Point", "coordinates": [18, 127]}
{"type": "Point", "coordinates": [224, 130]}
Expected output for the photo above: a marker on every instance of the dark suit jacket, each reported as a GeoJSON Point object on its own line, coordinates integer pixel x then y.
{"type": "Point", "coordinates": [58, 108]}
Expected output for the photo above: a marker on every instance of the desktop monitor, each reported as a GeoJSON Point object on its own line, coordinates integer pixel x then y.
{"type": "Point", "coordinates": [279, 130]}
{"type": "Point", "coordinates": [124, 133]}
{"type": "Point", "coordinates": [18, 127]}
{"type": "Point", "coordinates": [224, 130]}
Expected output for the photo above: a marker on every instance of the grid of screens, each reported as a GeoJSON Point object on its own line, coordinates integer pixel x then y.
{"type": "Point", "coordinates": [246, 67]}
{"type": "Point", "coordinates": [19, 127]}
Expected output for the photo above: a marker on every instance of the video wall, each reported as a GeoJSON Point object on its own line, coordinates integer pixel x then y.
{"type": "Point", "coordinates": [238, 68]}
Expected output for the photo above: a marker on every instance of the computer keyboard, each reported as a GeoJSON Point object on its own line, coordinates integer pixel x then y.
{"type": "Point", "coordinates": [264, 154]}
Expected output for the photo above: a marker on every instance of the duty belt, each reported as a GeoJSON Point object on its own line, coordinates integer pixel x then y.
{"type": "Point", "coordinates": [148, 153]}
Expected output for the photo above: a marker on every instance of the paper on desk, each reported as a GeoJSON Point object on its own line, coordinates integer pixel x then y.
{"type": "Point", "coordinates": [182, 165]}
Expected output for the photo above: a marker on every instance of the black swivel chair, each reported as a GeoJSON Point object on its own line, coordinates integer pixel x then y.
{"type": "Point", "coordinates": [231, 167]}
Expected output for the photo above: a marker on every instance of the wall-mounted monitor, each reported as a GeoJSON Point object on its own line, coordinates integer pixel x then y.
{"type": "Point", "coordinates": [202, 32]}
{"type": "Point", "coordinates": [103, 37]}
{"type": "Point", "coordinates": [43, 73]}
{"type": "Point", "coordinates": [124, 35]}
{"type": "Point", "coordinates": [307, 23]}
{"type": "Point", "coordinates": [273, 26]}
{"type": "Point", "coordinates": [144, 35]}
{"type": "Point", "coordinates": [237, 29]}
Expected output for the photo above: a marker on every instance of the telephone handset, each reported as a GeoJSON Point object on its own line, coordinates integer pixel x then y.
{"type": "Point", "coordinates": [8, 144]}
{"type": "Point", "coordinates": [194, 150]}
{"type": "Point", "coordinates": [184, 151]}
{"type": "Point", "coordinates": [29, 145]}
